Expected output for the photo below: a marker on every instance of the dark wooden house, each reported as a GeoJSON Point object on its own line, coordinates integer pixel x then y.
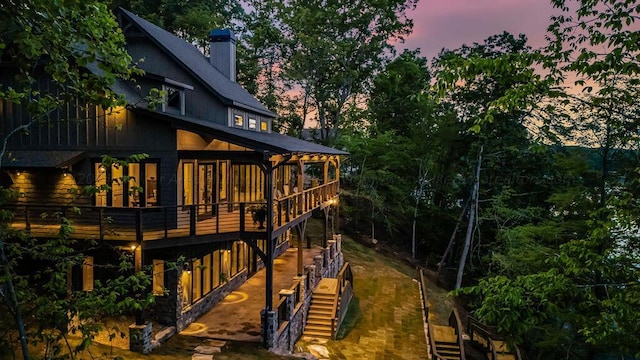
{"type": "Point", "coordinates": [219, 188]}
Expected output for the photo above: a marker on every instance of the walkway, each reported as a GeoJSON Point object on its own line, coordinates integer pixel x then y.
{"type": "Point", "coordinates": [237, 316]}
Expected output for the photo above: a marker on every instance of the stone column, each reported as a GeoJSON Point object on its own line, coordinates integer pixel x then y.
{"type": "Point", "coordinates": [312, 276]}
{"type": "Point", "coordinates": [290, 300]}
{"type": "Point", "coordinates": [269, 328]}
{"type": "Point", "coordinates": [317, 261]}
{"type": "Point", "coordinates": [140, 338]}
{"type": "Point", "coordinates": [331, 244]}
{"type": "Point", "coordinates": [338, 239]}
{"type": "Point", "coordinates": [302, 280]}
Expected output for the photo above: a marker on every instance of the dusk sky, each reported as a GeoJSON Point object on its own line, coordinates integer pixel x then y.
{"type": "Point", "coordinates": [450, 23]}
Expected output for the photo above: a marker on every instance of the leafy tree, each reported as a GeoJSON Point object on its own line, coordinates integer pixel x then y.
{"type": "Point", "coordinates": [56, 43]}
{"type": "Point", "coordinates": [334, 48]}
{"type": "Point", "coordinates": [577, 257]}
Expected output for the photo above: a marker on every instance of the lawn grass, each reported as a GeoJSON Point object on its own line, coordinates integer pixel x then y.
{"type": "Point", "coordinates": [384, 320]}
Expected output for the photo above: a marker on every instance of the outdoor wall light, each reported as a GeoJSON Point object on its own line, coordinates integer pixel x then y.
{"type": "Point", "coordinates": [187, 267]}
{"type": "Point", "coordinates": [102, 168]}
{"type": "Point", "coordinates": [133, 247]}
{"type": "Point", "coordinates": [18, 172]}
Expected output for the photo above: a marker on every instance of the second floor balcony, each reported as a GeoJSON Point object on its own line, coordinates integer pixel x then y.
{"type": "Point", "coordinates": [147, 224]}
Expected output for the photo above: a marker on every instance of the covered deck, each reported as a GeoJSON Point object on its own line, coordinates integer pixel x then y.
{"type": "Point", "coordinates": [153, 224]}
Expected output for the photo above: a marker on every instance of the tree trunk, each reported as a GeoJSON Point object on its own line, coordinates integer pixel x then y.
{"type": "Point", "coordinates": [13, 302]}
{"type": "Point", "coordinates": [472, 214]}
{"type": "Point", "coordinates": [452, 240]}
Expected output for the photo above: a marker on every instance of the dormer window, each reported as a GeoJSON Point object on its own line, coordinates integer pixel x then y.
{"type": "Point", "coordinates": [264, 125]}
{"type": "Point", "coordinates": [174, 93]}
{"type": "Point", "coordinates": [173, 100]}
{"type": "Point", "coordinates": [253, 124]}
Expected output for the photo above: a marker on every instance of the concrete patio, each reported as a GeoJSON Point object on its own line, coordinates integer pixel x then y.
{"type": "Point", "coordinates": [237, 317]}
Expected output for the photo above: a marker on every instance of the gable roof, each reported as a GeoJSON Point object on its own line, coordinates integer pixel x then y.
{"type": "Point", "coordinates": [272, 142]}
{"type": "Point", "coordinates": [199, 66]}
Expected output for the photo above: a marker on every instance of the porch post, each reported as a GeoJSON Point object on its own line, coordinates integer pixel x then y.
{"type": "Point", "coordinates": [269, 263]}
{"type": "Point", "coordinates": [300, 186]}
{"type": "Point", "coordinates": [326, 225]}
{"type": "Point", "coordinates": [301, 229]}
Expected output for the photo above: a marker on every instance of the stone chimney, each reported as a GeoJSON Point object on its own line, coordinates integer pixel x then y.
{"type": "Point", "coordinates": [223, 52]}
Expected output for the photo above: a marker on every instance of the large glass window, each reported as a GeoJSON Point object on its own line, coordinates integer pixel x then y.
{"type": "Point", "coordinates": [248, 183]}
{"type": "Point", "coordinates": [158, 277]}
{"type": "Point", "coordinates": [151, 182]}
{"type": "Point", "coordinates": [101, 181]}
{"type": "Point", "coordinates": [139, 182]}
{"type": "Point", "coordinates": [197, 280]}
{"type": "Point", "coordinates": [134, 184]}
{"type": "Point", "coordinates": [209, 272]}
{"type": "Point", "coordinates": [87, 274]}
{"type": "Point", "coordinates": [117, 186]}
{"type": "Point", "coordinates": [187, 183]}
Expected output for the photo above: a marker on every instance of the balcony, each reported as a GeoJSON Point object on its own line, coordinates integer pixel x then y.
{"type": "Point", "coordinates": [168, 222]}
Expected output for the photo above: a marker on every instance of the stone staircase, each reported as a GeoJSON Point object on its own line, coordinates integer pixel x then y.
{"type": "Point", "coordinates": [321, 321]}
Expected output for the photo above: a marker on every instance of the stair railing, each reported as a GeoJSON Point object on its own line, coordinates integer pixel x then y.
{"type": "Point", "coordinates": [489, 335]}
{"type": "Point", "coordinates": [454, 321]}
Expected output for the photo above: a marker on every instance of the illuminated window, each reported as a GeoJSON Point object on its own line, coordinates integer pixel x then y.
{"type": "Point", "coordinates": [253, 123]}
{"type": "Point", "coordinates": [197, 280]}
{"type": "Point", "coordinates": [138, 180]}
{"type": "Point", "coordinates": [158, 277]}
{"type": "Point", "coordinates": [87, 274]}
{"type": "Point", "coordinates": [238, 120]}
{"type": "Point", "coordinates": [264, 125]}
{"type": "Point", "coordinates": [187, 184]}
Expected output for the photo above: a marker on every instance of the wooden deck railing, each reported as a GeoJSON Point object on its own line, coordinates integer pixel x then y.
{"type": "Point", "coordinates": [345, 293]}
{"type": "Point", "coordinates": [165, 222]}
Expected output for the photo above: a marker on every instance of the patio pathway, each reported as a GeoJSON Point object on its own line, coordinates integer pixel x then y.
{"type": "Point", "coordinates": [237, 316]}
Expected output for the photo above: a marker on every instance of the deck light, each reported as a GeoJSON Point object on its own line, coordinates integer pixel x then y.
{"type": "Point", "coordinates": [133, 247]}
{"type": "Point", "coordinates": [18, 172]}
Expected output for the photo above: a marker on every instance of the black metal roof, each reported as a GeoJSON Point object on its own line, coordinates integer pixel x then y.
{"type": "Point", "coordinates": [196, 63]}
{"type": "Point", "coordinates": [24, 159]}
{"type": "Point", "coordinates": [270, 142]}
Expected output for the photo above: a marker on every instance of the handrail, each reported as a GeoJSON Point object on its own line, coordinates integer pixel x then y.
{"type": "Point", "coordinates": [489, 334]}
{"type": "Point", "coordinates": [434, 350]}
{"type": "Point", "coordinates": [425, 304]}
{"type": "Point", "coordinates": [454, 320]}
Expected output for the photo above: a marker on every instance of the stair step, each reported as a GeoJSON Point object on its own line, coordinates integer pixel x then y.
{"type": "Point", "coordinates": [322, 322]}
{"type": "Point", "coordinates": [317, 334]}
{"type": "Point", "coordinates": [322, 301]}
{"type": "Point", "coordinates": [319, 316]}
{"type": "Point", "coordinates": [319, 327]}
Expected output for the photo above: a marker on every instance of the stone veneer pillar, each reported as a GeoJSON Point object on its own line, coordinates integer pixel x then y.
{"type": "Point", "coordinates": [312, 276]}
{"type": "Point", "coordinates": [317, 261]}
{"type": "Point", "coordinates": [269, 328]}
{"type": "Point", "coordinates": [290, 300]}
{"type": "Point", "coordinates": [302, 281]}
{"type": "Point", "coordinates": [140, 338]}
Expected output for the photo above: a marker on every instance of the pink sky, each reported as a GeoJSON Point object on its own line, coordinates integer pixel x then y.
{"type": "Point", "coordinates": [450, 23]}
